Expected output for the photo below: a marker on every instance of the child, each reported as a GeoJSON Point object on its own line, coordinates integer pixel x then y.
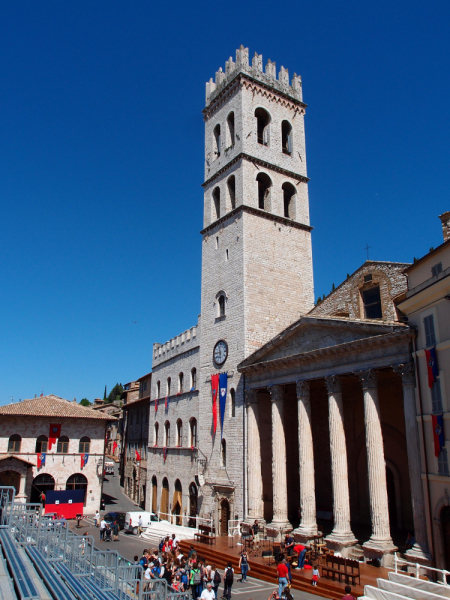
{"type": "Point", "coordinates": [315, 575]}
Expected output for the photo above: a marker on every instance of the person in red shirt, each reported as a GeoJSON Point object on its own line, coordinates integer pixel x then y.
{"type": "Point", "coordinates": [348, 593]}
{"type": "Point", "coordinates": [282, 572]}
{"type": "Point", "coordinates": [301, 551]}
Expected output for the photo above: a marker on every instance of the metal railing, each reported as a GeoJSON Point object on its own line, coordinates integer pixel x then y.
{"type": "Point", "coordinates": [185, 520]}
{"type": "Point", "coordinates": [438, 575]}
{"type": "Point", "coordinates": [57, 545]}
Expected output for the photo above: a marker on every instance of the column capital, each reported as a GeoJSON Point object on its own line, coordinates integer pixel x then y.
{"type": "Point", "coordinates": [368, 379]}
{"type": "Point", "coordinates": [407, 371]}
{"type": "Point", "coordinates": [302, 388]}
{"type": "Point", "coordinates": [333, 383]}
{"type": "Point", "coordinates": [251, 396]}
{"type": "Point", "coordinates": [276, 392]}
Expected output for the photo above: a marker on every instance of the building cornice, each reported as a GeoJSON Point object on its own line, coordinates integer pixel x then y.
{"type": "Point", "coordinates": [256, 161]}
{"type": "Point", "coordinates": [258, 212]}
{"type": "Point", "coordinates": [346, 349]}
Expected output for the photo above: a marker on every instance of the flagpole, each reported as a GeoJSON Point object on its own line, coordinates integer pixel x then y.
{"type": "Point", "coordinates": [139, 475]}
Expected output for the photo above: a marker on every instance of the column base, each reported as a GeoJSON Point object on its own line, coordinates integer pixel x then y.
{"type": "Point", "coordinates": [251, 520]}
{"type": "Point", "coordinates": [22, 498]}
{"type": "Point", "coordinates": [282, 527]}
{"type": "Point", "coordinates": [341, 542]}
{"type": "Point", "coordinates": [381, 549]}
{"type": "Point", "coordinates": [303, 534]}
{"type": "Point", "coordinates": [419, 554]}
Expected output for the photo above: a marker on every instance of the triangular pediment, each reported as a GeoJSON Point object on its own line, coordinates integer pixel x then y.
{"type": "Point", "coordinates": [315, 333]}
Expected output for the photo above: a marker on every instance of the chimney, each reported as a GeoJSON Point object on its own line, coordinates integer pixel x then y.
{"type": "Point", "coordinates": [445, 220]}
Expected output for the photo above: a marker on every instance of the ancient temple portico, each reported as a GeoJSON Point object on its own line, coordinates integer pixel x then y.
{"type": "Point", "coordinates": [341, 430]}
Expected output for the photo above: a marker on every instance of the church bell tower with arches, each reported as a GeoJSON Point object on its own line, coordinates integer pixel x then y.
{"type": "Point", "coordinates": [257, 275]}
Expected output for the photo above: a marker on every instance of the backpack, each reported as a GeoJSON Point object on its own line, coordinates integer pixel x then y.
{"type": "Point", "coordinates": [184, 578]}
{"type": "Point", "coordinates": [161, 544]}
{"type": "Point", "coordinates": [229, 575]}
{"type": "Point", "coordinates": [217, 578]}
{"type": "Point", "coordinates": [197, 577]}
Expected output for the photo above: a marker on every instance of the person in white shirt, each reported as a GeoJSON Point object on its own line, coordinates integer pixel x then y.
{"type": "Point", "coordinates": [140, 525]}
{"type": "Point", "coordinates": [96, 518]}
{"type": "Point", "coordinates": [208, 593]}
{"type": "Point", "coordinates": [102, 530]}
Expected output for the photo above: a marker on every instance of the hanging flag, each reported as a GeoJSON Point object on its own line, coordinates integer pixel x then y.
{"type": "Point", "coordinates": [41, 460]}
{"type": "Point", "coordinates": [223, 382]}
{"type": "Point", "coordinates": [84, 459]}
{"type": "Point", "coordinates": [138, 456]}
{"type": "Point", "coordinates": [438, 433]}
{"type": "Point", "coordinates": [156, 405]}
{"type": "Point", "coordinates": [114, 446]}
{"type": "Point", "coordinates": [55, 432]}
{"type": "Point", "coordinates": [432, 366]}
{"type": "Point", "coordinates": [214, 389]}
{"type": "Point", "coordinates": [165, 453]}
{"type": "Point", "coordinates": [167, 403]}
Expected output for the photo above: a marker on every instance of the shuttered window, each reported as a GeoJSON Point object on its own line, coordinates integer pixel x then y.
{"type": "Point", "coordinates": [430, 337]}
{"type": "Point", "coordinates": [436, 397]}
{"type": "Point", "coordinates": [443, 462]}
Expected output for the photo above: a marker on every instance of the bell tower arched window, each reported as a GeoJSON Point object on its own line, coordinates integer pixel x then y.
{"type": "Point", "coordinates": [286, 137]}
{"type": "Point", "coordinates": [193, 379]}
{"type": "Point", "coordinates": [169, 381]}
{"type": "Point", "coordinates": [289, 200]}
{"type": "Point", "coordinates": [223, 453]}
{"type": "Point", "coordinates": [230, 124]}
{"type": "Point", "coordinates": [216, 200]}
{"type": "Point", "coordinates": [180, 383]}
{"type": "Point", "coordinates": [264, 185]}
{"type": "Point", "coordinates": [216, 141]}
{"type": "Point", "coordinates": [262, 126]}
{"type": "Point", "coordinates": [231, 184]}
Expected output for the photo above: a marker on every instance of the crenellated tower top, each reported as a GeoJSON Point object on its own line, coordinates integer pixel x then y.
{"type": "Point", "coordinates": [255, 71]}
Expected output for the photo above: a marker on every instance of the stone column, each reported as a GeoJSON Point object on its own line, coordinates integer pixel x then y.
{"type": "Point", "coordinates": [21, 496]}
{"type": "Point", "coordinates": [279, 479]}
{"type": "Point", "coordinates": [254, 481]}
{"type": "Point", "coordinates": [380, 540]}
{"type": "Point", "coordinates": [342, 536]}
{"type": "Point", "coordinates": [308, 524]}
{"type": "Point", "coordinates": [420, 549]}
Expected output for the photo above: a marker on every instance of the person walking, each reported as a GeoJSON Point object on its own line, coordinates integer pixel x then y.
{"type": "Point", "coordinates": [208, 593]}
{"type": "Point", "coordinates": [282, 572]}
{"type": "Point", "coordinates": [215, 579]}
{"type": "Point", "coordinates": [140, 525]}
{"type": "Point", "coordinates": [228, 576]}
{"type": "Point", "coordinates": [96, 518]}
{"type": "Point", "coordinates": [102, 530]}
{"type": "Point", "coordinates": [196, 582]}
{"type": "Point", "coordinates": [115, 530]}
{"type": "Point", "coordinates": [243, 565]}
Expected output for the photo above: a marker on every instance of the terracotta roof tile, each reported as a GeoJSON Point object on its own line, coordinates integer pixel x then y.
{"type": "Point", "coordinates": [52, 406]}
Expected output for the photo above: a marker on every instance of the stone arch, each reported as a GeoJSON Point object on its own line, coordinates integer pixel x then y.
{"type": "Point", "coordinates": [42, 483]}
{"type": "Point", "coordinates": [164, 506]}
{"type": "Point", "coordinates": [177, 502]}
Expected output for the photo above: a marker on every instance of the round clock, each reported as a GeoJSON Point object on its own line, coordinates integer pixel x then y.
{"type": "Point", "coordinates": [220, 352]}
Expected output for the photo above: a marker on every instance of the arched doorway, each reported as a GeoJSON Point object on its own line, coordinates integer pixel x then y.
{"type": "Point", "coordinates": [177, 502]}
{"type": "Point", "coordinates": [77, 482]}
{"type": "Point", "coordinates": [224, 517]}
{"type": "Point", "coordinates": [165, 499]}
{"type": "Point", "coordinates": [41, 484]}
{"type": "Point", "coordinates": [445, 521]}
{"type": "Point", "coordinates": [154, 494]}
{"type": "Point", "coordinates": [193, 501]}
{"type": "Point", "coordinates": [10, 478]}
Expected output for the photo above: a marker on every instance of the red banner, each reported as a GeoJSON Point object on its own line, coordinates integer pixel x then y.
{"type": "Point", "coordinates": [215, 391]}
{"type": "Point", "coordinates": [114, 446]}
{"type": "Point", "coordinates": [138, 456]}
{"type": "Point", "coordinates": [55, 433]}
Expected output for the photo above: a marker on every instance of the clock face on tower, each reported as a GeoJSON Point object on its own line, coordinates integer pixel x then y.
{"type": "Point", "coordinates": [220, 352]}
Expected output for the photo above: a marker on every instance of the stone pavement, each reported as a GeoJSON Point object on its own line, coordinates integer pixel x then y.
{"type": "Point", "coordinates": [115, 499]}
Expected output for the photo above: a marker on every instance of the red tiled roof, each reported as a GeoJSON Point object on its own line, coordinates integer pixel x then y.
{"type": "Point", "coordinates": [52, 406]}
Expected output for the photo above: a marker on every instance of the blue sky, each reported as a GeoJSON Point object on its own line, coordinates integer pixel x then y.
{"type": "Point", "coordinates": [101, 163]}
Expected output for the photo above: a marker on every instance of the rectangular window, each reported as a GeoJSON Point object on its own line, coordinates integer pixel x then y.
{"type": "Point", "coordinates": [443, 463]}
{"type": "Point", "coordinates": [436, 397]}
{"type": "Point", "coordinates": [430, 336]}
{"type": "Point", "coordinates": [372, 303]}
{"type": "Point", "coordinates": [436, 269]}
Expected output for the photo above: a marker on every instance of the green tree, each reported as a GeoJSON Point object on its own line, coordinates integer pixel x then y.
{"type": "Point", "coordinates": [115, 393]}
{"type": "Point", "coordinates": [85, 402]}
{"type": "Point", "coordinates": [104, 394]}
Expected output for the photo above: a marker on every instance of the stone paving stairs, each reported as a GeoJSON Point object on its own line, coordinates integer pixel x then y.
{"type": "Point", "coordinates": [402, 587]}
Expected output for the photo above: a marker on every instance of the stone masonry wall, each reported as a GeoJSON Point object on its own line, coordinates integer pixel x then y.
{"type": "Point", "coordinates": [60, 466]}
{"type": "Point", "coordinates": [346, 300]}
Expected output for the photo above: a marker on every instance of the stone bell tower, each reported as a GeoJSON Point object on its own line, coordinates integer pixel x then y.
{"type": "Point", "coordinates": [257, 274]}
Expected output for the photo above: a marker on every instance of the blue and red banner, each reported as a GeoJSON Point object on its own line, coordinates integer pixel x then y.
{"type": "Point", "coordinates": [167, 403]}
{"type": "Point", "coordinates": [84, 459]}
{"type": "Point", "coordinates": [156, 405]}
{"type": "Point", "coordinates": [214, 391]}
{"type": "Point", "coordinates": [65, 503]}
{"type": "Point", "coordinates": [165, 453]}
{"type": "Point", "coordinates": [432, 366]}
{"type": "Point", "coordinates": [41, 460]}
{"type": "Point", "coordinates": [223, 384]}
{"type": "Point", "coordinates": [438, 433]}
{"type": "Point", "coordinates": [54, 434]}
